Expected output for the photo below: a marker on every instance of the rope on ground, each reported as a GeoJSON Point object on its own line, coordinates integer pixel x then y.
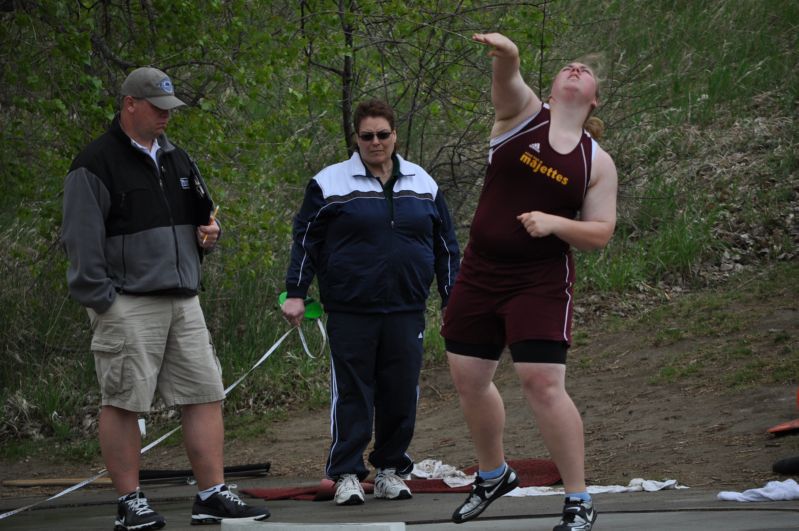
{"type": "Point", "coordinates": [158, 441]}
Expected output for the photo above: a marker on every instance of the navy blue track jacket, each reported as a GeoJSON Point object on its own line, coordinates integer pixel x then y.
{"type": "Point", "coordinates": [368, 260]}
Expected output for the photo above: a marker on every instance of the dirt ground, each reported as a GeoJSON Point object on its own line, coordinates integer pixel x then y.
{"type": "Point", "coordinates": [695, 429]}
{"type": "Point", "coordinates": [697, 435]}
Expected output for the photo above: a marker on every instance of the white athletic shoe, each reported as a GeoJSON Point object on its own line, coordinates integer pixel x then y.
{"type": "Point", "coordinates": [389, 486]}
{"type": "Point", "coordinates": [349, 490]}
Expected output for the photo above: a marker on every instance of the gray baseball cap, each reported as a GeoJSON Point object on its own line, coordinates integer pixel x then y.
{"type": "Point", "coordinates": [153, 85]}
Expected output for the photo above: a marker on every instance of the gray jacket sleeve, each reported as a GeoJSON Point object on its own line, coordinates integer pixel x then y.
{"type": "Point", "coordinates": [86, 205]}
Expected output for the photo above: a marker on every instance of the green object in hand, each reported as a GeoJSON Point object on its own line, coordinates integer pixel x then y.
{"type": "Point", "coordinates": [313, 309]}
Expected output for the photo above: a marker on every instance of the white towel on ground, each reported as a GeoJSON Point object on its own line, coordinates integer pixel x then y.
{"type": "Point", "coordinates": [434, 469]}
{"type": "Point", "coordinates": [635, 485]}
{"type": "Point", "coordinates": [773, 491]}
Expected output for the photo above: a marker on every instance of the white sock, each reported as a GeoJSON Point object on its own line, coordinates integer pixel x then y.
{"type": "Point", "coordinates": [207, 493]}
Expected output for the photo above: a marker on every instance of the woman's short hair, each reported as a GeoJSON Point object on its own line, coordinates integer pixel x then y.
{"type": "Point", "coordinates": [373, 108]}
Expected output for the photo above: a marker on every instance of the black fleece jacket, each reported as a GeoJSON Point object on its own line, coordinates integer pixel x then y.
{"type": "Point", "coordinates": [129, 224]}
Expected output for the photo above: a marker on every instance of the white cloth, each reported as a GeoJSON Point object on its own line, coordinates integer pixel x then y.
{"type": "Point", "coordinates": [635, 485]}
{"type": "Point", "coordinates": [434, 469]}
{"type": "Point", "coordinates": [773, 491]}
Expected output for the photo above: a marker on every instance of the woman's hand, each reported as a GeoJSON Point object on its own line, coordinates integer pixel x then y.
{"type": "Point", "coordinates": [537, 224]}
{"type": "Point", "coordinates": [293, 310]}
{"type": "Point", "coordinates": [501, 46]}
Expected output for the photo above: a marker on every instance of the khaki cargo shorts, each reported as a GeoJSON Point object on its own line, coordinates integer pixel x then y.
{"type": "Point", "coordinates": [142, 344]}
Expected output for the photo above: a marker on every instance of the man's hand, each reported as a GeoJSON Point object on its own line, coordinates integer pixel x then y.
{"type": "Point", "coordinates": [207, 235]}
{"type": "Point", "coordinates": [293, 310]}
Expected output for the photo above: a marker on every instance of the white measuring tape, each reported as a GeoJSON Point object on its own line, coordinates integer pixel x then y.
{"type": "Point", "coordinates": [158, 441]}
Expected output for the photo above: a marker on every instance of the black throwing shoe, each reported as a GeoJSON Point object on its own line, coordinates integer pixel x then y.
{"type": "Point", "coordinates": [578, 515]}
{"type": "Point", "coordinates": [134, 514]}
{"type": "Point", "coordinates": [224, 504]}
{"type": "Point", "coordinates": [483, 493]}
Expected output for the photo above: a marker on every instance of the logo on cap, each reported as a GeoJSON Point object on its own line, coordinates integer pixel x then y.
{"type": "Point", "coordinates": [166, 85]}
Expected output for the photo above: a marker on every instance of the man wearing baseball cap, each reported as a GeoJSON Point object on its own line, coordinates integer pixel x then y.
{"type": "Point", "coordinates": [152, 85]}
{"type": "Point", "coordinates": [136, 222]}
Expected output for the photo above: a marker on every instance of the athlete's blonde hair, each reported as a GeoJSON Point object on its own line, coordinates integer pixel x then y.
{"type": "Point", "coordinates": [595, 127]}
{"type": "Point", "coordinates": [596, 62]}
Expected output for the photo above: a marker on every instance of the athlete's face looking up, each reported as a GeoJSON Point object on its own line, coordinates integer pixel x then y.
{"type": "Point", "coordinates": [576, 82]}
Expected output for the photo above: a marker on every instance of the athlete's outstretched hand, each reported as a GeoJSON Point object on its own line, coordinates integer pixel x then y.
{"type": "Point", "coordinates": [501, 46]}
{"type": "Point", "coordinates": [513, 99]}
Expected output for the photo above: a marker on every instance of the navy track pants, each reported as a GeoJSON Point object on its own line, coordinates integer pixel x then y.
{"type": "Point", "coordinates": [374, 379]}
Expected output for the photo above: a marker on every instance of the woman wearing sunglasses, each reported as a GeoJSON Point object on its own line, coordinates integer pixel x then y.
{"type": "Point", "coordinates": [549, 187]}
{"type": "Point", "coordinates": [374, 230]}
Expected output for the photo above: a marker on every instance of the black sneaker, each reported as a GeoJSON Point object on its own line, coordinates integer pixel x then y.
{"type": "Point", "coordinates": [578, 515]}
{"type": "Point", "coordinates": [483, 493]}
{"type": "Point", "coordinates": [134, 513]}
{"type": "Point", "coordinates": [224, 504]}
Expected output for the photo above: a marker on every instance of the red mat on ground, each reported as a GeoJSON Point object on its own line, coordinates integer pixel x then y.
{"type": "Point", "coordinates": [785, 427]}
{"type": "Point", "coordinates": [532, 473]}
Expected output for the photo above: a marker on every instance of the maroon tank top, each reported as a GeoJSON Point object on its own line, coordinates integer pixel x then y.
{"type": "Point", "coordinates": [524, 174]}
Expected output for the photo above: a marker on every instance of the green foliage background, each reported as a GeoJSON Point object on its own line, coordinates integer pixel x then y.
{"type": "Point", "coordinates": [699, 101]}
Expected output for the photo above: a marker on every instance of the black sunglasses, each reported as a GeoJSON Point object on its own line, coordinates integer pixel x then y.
{"type": "Point", "coordinates": [381, 135]}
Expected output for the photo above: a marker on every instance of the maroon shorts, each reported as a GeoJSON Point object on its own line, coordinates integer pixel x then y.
{"type": "Point", "coordinates": [494, 304]}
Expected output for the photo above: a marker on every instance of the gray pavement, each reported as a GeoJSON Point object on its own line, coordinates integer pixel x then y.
{"type": "Point", "coordinates": [93, 508]}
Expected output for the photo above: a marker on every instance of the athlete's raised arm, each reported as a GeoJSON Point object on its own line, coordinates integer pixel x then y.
{"type": "Point", "coordinates": [513, 99]}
